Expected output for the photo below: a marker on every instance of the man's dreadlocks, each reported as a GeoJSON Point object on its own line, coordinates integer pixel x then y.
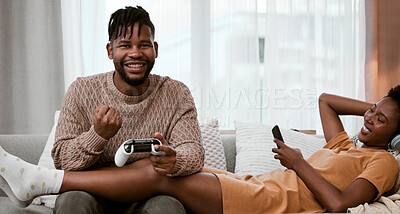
{"type": "Point", "coordinates": [122, 19]}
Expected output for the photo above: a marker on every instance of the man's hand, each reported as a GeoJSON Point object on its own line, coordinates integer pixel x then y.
{"type": "Point", "coordinates": [107, 121]}
{"type": "Point", "coordinates": [163, 164]}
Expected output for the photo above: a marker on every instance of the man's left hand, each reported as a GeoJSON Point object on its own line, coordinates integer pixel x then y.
{"type": "Point", "coordinates": [163, 164]}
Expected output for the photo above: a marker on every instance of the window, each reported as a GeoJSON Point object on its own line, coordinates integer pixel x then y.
{"type": "Point", "coordinates": [262, 61]}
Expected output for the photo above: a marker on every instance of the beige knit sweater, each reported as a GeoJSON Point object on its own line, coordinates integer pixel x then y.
{"type": "Point", "coordinates": [166, 107]}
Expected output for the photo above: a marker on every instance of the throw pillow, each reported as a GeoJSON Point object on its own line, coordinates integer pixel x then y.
{"type": "Point", "coordinates": [212, 143]}
{"type": "Point", "coordinates": [45, 159]}
{"type": "Point", "coordinates": [254, 143]}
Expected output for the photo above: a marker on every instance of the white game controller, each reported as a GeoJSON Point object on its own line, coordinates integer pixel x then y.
{"type": "Point", "coordinates": [136, 145]}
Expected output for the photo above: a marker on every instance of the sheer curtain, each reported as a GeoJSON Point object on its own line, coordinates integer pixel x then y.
{"type": "Point", "coordinates": [311, 46]}
{"type": "Point", "coordinates": [229, 68]}
{"type": "Point", "coordinates": [84, 38]}
{"type": "Point", "coordinates": [262, 61]}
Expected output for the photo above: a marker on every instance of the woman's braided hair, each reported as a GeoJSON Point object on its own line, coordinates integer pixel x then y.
{"type": "Point", "coordinates": [122, 19]}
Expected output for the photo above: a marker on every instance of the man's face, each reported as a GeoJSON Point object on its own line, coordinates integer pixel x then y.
{"type": "Point", "coordinates": [133, 56]}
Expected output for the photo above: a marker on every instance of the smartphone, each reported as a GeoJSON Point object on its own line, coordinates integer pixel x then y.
{"type": "Point", "coordinates": [277, 133]}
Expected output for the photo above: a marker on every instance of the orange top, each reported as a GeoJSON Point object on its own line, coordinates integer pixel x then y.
{"type": "Point", "coordinates": [339, 162]}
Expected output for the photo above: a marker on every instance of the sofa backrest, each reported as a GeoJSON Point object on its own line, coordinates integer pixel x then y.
{"type": "Point", "coordinates": [27, 147]}
{"type": "Point", "coordinates": [229, 143]}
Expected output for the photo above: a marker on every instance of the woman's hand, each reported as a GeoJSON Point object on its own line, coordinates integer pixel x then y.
{"type": "Point", "coordinates": [332, 198]}
{"type": "Point", "coordinates": [163, 164]}
{"type": "Point", "coordinates": [286, 155]}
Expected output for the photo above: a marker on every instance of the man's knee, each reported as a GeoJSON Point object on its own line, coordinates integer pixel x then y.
{"type": "Point", "coordinates": [77, 202]}
{"type": "Point", "coordinates": [161, 204]}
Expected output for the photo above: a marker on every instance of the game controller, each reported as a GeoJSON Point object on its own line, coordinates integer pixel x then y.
{"type": "Point", "coordinates": [136, 145]}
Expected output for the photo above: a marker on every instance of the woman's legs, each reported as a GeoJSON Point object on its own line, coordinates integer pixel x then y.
{"type": "Point", "coordinates": [23, 181]}
{"type": "Point", "coordinates": [130, 183]}
{"type": "Point", "coordinates": [200, 192]}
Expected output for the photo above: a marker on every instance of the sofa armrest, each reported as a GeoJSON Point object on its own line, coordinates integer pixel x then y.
{"type": "Point", "coordinates": [27, 147]}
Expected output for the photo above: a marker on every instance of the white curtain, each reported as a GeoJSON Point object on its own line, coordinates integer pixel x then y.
{"type": "Point", "coordinates": [262, 61]}
{"type": "Point", "coordinates": [311, 46]}
{"type": "Point", "coordinates": [84, 29]}
{"type": "Point", "coordinates": [225, 60]}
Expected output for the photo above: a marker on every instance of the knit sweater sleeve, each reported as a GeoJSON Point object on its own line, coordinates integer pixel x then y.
{"type": "Point", "coordinates": [77, 146]}
{"type": "Point", "coordinates": [185, 137]}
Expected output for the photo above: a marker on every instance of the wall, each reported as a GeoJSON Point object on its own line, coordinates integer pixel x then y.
{"type": "Point", "coordinates": [383, 47]}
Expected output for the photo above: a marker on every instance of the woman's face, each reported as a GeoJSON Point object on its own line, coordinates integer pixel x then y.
{"type": "Point", "coordinates": [380, 123]}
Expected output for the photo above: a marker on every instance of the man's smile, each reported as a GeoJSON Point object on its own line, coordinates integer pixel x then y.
{"type": "Point", "coordinates": [135, 67]}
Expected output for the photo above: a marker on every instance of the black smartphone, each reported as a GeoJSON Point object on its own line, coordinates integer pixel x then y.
{"type": "Point", "coordinates": [277, 133]}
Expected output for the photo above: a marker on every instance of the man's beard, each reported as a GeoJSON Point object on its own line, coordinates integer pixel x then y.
{"type": "Point", "coordinates": [133, 81]}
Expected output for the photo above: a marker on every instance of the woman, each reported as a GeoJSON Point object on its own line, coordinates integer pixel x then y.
{"type": "Point", "coordinates": [333, 179]}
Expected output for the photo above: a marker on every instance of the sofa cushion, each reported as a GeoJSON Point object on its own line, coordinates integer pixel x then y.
{"type": "Point", "coordinates": [45, 159]}
{"type": "Point", "coordinates": [212, 143]}
{"type": "Point", "coordinates": [229, 144]}
{"type": "Point", "coordinates": [7, 206]}
{"type": "Point", "coordinates": [254, 143]}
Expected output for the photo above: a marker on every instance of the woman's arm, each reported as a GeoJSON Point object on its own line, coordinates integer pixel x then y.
{"type": "Point", "coordinates": [332, 198]}
{"type": "Point", "coordinates": [331, 106]}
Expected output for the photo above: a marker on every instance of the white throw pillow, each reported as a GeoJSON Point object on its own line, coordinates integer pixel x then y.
{"type": "Point", "coordinates": [45, 159]}
{"type": "Point", "coordinates": [254, 143]}
{"type": "Point", "coordinates": [212, 143]}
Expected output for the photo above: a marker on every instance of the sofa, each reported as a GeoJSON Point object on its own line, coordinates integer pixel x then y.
{"type": "Point", "coordinates": [245, 150]}
{"type": "Point", "coordinates": [220, 153]}
{"type": "Point", "coordinates": [30, 148]}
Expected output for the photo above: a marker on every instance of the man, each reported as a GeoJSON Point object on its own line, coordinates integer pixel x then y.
{"type": "Point", "coordinates": [100, 112]}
